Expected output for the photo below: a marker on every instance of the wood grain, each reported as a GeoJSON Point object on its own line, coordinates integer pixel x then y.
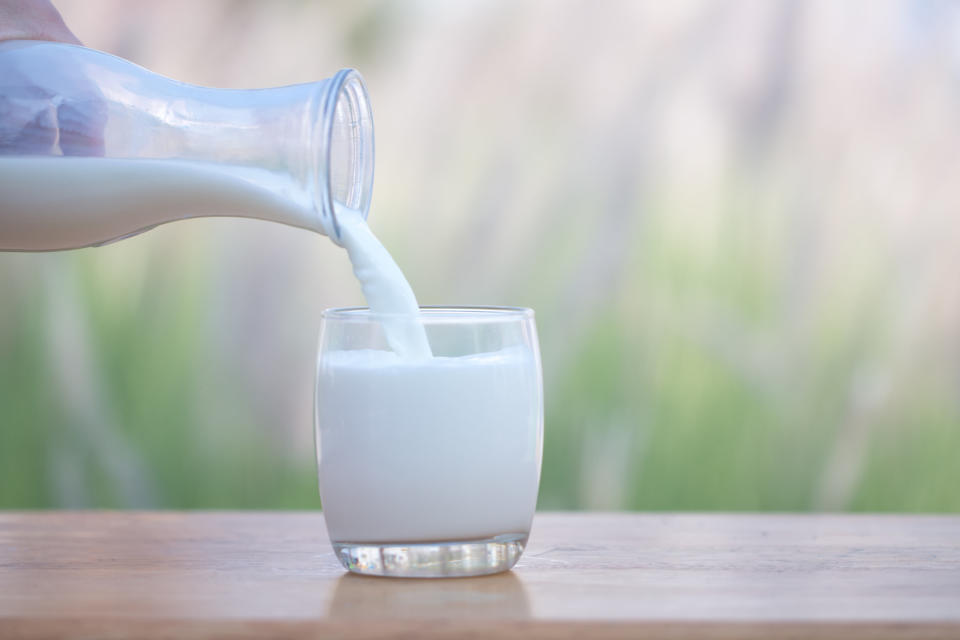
{"type": "Point", "coordinates": [228, 574]}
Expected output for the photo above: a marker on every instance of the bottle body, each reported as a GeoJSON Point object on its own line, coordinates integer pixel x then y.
{"type": "Point", "coordinates": [94, 148]}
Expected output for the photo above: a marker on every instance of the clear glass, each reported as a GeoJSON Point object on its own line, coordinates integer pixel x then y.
{"type": "Point", "coordinates": [309, 144]}
{"type": "Point", "coordinates": [429, 468]}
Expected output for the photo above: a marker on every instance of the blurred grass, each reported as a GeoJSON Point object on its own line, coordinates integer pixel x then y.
{"type": "Point", "coordinates": [157, 369]}
{"type": "Point", "coordinates": [656, 406]}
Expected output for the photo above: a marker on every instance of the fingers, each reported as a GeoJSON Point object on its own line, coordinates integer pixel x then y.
{"type": "Point", "coordinates": [81, 125]}
{"type": "Point", "coordinates": [39, 124]}
{"type": "Point", "coordinates": [28, 123]}
{"type": "Point", "coordinates": [33, 20]}
{"type": "Point", "coordinates": [34, 122]}
{"type": "Point", "coordinates": [48, 105]}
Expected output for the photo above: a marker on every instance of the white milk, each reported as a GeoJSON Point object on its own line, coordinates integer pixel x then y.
{"type": "Point", "coordinates": [64, 203]}
{"type": "Point", "coordinates": [386, 290]}
{"type": "Point", "coordinates": [431, 450]}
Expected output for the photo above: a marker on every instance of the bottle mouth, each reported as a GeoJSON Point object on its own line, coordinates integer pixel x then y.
{"type": "Point", "coordinates": [344, 177]}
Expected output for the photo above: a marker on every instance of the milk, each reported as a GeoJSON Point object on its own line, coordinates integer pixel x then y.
{"type": "Point", "coordinates": [417, 448]}
{"type": "Point", "coordinates": [427, 450]}
{"type": "Point", "coordinates": [64, 202]}
{"type": "Point", "coordinates": [387, 292]}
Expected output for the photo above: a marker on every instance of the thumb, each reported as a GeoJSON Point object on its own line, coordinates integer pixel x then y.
{"type": "Point", "coordinates": [33, 20]}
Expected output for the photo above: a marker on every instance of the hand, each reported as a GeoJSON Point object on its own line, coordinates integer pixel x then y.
{"type": "Point", "coordinates": [47, 105]}
{"type": "Point", "coordinates": [33, 20]}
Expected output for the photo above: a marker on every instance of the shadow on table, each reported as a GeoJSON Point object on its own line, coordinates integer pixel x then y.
{"type": "Point", "coordinates": [501, 596]}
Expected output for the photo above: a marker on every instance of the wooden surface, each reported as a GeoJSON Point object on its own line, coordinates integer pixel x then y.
{"type": "Point", "coordinates": [227, 574]}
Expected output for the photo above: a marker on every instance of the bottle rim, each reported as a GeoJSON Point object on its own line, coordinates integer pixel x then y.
{"type": "Point", "coordinates": [347, 91]}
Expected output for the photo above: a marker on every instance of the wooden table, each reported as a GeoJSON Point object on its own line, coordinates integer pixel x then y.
{"type": "Point", "coordinates": [254, 574]}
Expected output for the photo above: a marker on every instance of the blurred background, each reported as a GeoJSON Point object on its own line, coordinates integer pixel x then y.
{"type": "Point", "coordinates": [739, 224]}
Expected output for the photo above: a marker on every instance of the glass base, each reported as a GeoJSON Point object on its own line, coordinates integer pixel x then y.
{"type": "Point", "coordinates": [459, 558]}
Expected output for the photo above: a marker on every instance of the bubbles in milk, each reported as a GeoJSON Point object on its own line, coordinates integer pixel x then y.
{"type": "Point", "coordinates": [386, 290]}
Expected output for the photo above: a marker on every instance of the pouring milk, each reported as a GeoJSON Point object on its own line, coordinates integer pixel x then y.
{"type": "Point", "coordinates": [386, 290]}
{"type": "Point", "coordinates": [416, 447]}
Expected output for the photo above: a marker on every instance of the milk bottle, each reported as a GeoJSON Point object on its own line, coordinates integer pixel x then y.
{"type": "Point", "coordinates": [94, 148]}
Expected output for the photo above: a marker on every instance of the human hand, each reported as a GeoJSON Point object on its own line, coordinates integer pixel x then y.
{"type": "Point", "coordinates": [33, 20]}
{"type": "Point", "coordinates": [47, 105]}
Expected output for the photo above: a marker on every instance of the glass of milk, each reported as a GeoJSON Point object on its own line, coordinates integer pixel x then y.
{"type": "Point", "coordinates": [429, 466]}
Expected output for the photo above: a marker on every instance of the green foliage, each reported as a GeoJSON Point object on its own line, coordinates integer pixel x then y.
{"type": "Point", "coordinates": [694, 385]}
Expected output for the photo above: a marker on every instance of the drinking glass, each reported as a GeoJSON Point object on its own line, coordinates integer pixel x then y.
{"type": "Point", "coordinates": [429, 467]}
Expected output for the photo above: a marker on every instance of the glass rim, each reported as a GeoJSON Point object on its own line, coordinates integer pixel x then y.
{"type": "Point", "coordinates": [478, 313]}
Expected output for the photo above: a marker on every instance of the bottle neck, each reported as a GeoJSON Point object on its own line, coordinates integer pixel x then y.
{"type": "Point", "coordinates": [343, 150]}
{"type": "Point", "coordinates": [316, 137]}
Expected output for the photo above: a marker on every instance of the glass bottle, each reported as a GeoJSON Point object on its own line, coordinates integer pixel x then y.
{"type": "Point", "coordinates": [94, 148]}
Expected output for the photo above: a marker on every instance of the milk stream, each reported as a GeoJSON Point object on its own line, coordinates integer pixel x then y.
{"type": "Point", "coordinates": [386, 290]}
